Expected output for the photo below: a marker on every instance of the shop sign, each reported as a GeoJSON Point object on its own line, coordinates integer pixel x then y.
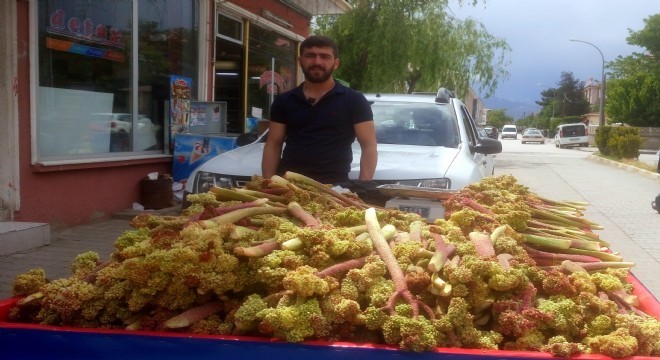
{"type": "Point", "coordinates": [84, 29]}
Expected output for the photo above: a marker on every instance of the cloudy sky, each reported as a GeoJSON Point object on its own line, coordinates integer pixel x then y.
{"type": "Point", "coordinates": [538, 32]}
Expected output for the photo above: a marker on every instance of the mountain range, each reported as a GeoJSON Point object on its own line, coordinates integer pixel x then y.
{"type": "Point", "coordinates": [513, 108]}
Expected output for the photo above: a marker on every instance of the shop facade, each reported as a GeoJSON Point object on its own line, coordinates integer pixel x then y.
{"type": "Point", "coordinates": [91, 88]}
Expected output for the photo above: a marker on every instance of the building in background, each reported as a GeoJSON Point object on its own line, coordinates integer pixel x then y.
{"type": "Point", "coordinates": [592, 92]}
{"type": "Point", "coordinates": [88, 91]}
{"type": "Point", "coordinates": [592, 119]}
{"type": "Point", "coordinates": [477, 107]}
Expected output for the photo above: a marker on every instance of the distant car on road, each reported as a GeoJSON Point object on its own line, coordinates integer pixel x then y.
{"type": "Point", "coordinates": [532, 135]}
{"type": "Point", "coordinates": [571, 135]}
{"type": "Point", "coordinates": [509, 132]}
{"type": "Point", "coordinates": [491, 131]}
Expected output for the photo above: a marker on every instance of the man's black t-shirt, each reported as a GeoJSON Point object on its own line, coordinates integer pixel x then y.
{"type": "Point", "coordinates": [319, 137]}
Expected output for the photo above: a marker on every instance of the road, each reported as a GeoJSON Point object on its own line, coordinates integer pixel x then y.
{"type": "Point", "coordinates": [619, 199]}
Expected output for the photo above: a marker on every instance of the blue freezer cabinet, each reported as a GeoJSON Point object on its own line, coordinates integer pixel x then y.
{"type": "Point", "coordinates": [192, 150]}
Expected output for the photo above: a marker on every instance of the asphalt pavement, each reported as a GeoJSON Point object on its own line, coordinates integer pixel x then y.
{"type": "Point", "coordinates": [619, 197]}
{"type": "Point", "coordinates": [100, 235]}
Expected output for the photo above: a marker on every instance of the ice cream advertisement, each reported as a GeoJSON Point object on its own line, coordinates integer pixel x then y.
{"type": "Point", "coordinates": [180, 92]}
{"type": "Point", "coordinates": [192, 150]}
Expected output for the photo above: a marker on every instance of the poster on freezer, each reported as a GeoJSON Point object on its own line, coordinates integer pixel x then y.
{"type": "Point", "coordinates": [208, 117]}
{"type": "Point", "coordinates": [192, 150]}
{"type": "Point", "coordinates": [197, 114]}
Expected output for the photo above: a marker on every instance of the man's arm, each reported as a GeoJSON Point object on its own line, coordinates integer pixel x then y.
{"type": "Point", "coordinates": [272, 149]}
{"type": "Point", "coordinates": [366, 136]}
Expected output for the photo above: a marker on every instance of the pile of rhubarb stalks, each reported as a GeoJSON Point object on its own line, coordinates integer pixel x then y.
{"type": "Point", "coordinates": [293, 259]}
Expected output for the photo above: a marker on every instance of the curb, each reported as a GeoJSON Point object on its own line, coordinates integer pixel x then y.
{"type": "Point", "coordinates": [626, 167]}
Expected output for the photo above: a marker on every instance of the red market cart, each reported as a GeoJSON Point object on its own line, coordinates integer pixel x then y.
{"type": "Point", "coordinates": [29, 341]}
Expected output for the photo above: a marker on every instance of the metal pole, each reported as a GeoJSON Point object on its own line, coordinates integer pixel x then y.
{"type": "Point", "coordinates": [272, 80]}
{"type": "Point", "coordinates": [601, 105]}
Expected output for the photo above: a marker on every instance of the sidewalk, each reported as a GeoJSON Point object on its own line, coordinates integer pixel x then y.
{"type": "Point", "coordinates": [65, 245]}
{"type": "Point", "coordinates": [630, 167]}
{"type": "Point", "coordinates": [647, 157]}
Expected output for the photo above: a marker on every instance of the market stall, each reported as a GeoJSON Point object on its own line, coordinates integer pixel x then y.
{"type": "Point", "coordinates": [337, 282]}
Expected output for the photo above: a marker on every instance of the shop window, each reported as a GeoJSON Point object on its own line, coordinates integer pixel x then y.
{"type": "Point", "coordinates": [229, 28]}
{"type": "Point", "coordinates": [229, 80]}
{"type": "Point", "coordinates": [271, 70]}
{"type": "Point", "coordinates": [229, 68]}
{"type": "Point", "coordinates": [91, 100]}
{"type": "Point", "coordinates": [168, 45]}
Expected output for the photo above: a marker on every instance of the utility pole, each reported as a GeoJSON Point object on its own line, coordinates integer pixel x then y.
{"type": "Point", "coordinates": [601, 105]}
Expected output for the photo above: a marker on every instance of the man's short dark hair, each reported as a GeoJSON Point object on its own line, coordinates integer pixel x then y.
{"type": "Point", "coordinates": [319, 41]}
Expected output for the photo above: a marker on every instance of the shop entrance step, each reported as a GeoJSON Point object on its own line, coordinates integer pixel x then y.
{"type": "Point", "coordinates": [18, 236]}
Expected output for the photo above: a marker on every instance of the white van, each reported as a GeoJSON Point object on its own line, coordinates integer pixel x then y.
{"type": "Point", "coordinates": [509, 131]}
{"type": "Point", "coordinates": [571, 135]}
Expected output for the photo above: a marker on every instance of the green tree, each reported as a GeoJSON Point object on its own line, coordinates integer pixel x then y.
{"type": "Point", "coordinates": [648, 37]}
{"type": "Point", "coordinates": [562, 104]}
{"type": "Point", "coordinates": [414, 45]}
{"type": "Point", "coordinates": [634, 100]}
{"type": "Point", "coordinates": [634, 86]}
{"type": "Point", "coordinates": [534, 120]}
{"type": "Point", "coordinates": [498, 118]}
{"type": "Point", "coordinates": [549, 103]}
{"type": "Point", "coordinates": [572, 100]}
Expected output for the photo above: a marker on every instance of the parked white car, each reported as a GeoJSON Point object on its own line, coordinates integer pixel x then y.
{"type": "Point", "coordinates": [509, 132]}
{"type": "Point", "coordinates": [532, 135]}
{"type": "Point", "coordinates": [424, 141]}
{"type": "Point", "coordinates": [575, 134]}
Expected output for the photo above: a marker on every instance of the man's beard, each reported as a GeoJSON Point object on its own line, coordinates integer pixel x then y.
{"type": "Point", "coordinates": [316, 78]}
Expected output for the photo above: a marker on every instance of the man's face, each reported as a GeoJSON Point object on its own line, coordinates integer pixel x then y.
{"type": "Point", "coordinates": [318, 64]}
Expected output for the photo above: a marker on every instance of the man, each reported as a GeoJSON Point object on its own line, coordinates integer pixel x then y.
{"type": "Point", "coordinates": [319, 120]}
